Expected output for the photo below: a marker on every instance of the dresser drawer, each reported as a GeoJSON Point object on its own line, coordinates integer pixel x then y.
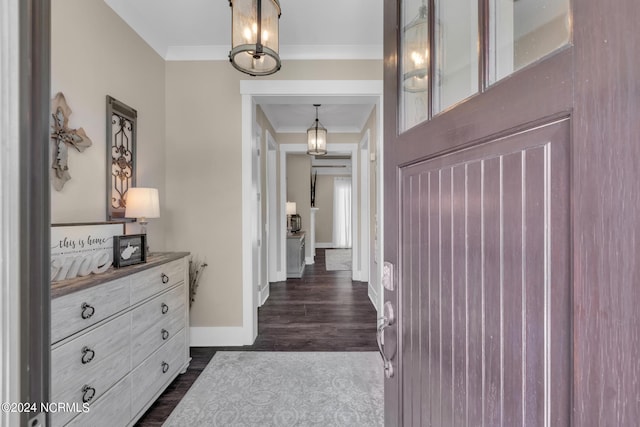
{"type": "Point", "coordinates": [150, 282]}
{"type": "Point", "coordinates": [78, 358]}
{"type": "Point", "coordinates": [111, 410]}
{"type": "Point", "coordinates": [75, 382]}
{"type": "Point", "coordinates": [156, 321]}
{"type": "Point", "coordinates": [74, 312]}
{"type": "Point", "coordinates": [148, 378]}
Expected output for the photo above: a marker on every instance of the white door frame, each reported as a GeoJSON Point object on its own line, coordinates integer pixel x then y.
{"type": "Point", "coordinates": [365, 209]}
{"type": "Point", "coordinates": [272, 229]}
{"type": "Point", "coordinates": [251, 91]}
{"type": "Point", "coordinates": [256, 177]}
{"type": "Point", "coordinates": [10, 362]}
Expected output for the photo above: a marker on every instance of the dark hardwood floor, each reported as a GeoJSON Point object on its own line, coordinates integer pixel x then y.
{"type": "Point", "coordinates": [323, 311]}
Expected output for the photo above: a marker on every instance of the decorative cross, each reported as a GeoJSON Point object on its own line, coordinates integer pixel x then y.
{"type": "Point", "coordinates": [63, 137]}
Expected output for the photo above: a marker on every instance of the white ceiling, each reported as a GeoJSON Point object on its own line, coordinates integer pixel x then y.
{"type": "Point", "coordinates": [320, 29]}
{"type": "Point", "coordinates": [337, 114]}
{"type": "Point", "coordinates": [309, 29]}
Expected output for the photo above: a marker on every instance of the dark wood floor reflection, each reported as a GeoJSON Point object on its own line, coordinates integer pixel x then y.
{"type": "Point", "coordinates": [323, 311]}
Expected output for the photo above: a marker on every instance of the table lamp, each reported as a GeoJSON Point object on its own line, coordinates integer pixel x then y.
{"type": "Point", "coordinates": [142, 203]}
{"type": "Point", "coordinates": [291, 210]}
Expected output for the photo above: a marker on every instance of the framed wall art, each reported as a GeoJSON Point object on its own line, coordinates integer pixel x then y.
{"type": "Point", "coordinates": [121, 156]}
{"type": "Point", "coordinates": [129, 250]}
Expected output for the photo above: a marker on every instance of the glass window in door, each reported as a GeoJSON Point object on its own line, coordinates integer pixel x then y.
{"type": "Point", "coordinates": [523, 31]}
{"type": "Point", "coordinates": [457, 54]}
{"type": "Point", "coordinates": [414, 64]}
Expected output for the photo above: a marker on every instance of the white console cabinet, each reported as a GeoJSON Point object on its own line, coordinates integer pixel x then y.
{"type": "Point", "coordinates": [295, 254]}
{"type": "Point", "coordinates": [118, 340]}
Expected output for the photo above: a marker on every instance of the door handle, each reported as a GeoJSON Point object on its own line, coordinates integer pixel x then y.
{"type": "Point", "coordinates": [386, 320]}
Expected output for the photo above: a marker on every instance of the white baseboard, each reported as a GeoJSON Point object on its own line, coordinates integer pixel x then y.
{"type": "Point", "coordinates": [356, 276]}
{"type": "Point", "coordinates": [263, 294]}
{"type": "Point", "coordinates": [218, 336]}
{"type": "Point", "coordinates": [309, 260]}
{"type": "Point", "coordinates": [325, 245]}
{"type": "Point", "coordinates": [373, 296]}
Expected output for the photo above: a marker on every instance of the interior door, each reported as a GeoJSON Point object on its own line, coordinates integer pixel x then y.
{"type": "Point", "coordinates": [477, 327]}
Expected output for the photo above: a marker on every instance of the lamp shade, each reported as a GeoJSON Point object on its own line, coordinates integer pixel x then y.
{"type": "Point", "coordinates": [291, 208]}
{"type": "Point", "coordinates": [142, 203]}
{"type": "Point", "coordinates": [254, 36]}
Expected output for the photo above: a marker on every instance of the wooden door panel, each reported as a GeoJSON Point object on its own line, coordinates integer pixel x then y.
{"type": "Point", "coordinates": [485, 290]}
{"type": "Point", "coordinates": [459, 256]}
{"type": "Point", "coordinates": [433, 209]}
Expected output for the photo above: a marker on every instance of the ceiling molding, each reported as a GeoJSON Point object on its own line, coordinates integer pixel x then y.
{"type": "Point", "coordinates": [287, 52]}
{"type": "Point", "coordinates": [197, 53]}
{"type": "Point", "coordinates": [312, 87]}
{"type": "Point", "coordinates": [326, 51]}
{"type": "Point", "coordinates": [303, 129]}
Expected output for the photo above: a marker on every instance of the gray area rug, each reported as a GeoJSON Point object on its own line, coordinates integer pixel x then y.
{"type": "Point", "coordinates": [338, 259]}
{"type": "Point", "coordinates": [285, 389]}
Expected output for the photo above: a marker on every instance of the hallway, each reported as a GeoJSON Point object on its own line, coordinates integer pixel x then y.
{"type": "Point", "coordinates": [322, 311]}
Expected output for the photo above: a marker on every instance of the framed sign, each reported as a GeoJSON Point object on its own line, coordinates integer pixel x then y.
{"type": "Point", "coordinates": [82, 249]}
{"type": "Point", "coordinates": [129, 250]}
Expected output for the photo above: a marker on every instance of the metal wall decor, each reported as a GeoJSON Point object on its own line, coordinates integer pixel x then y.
{"type": "Point", "coordinates": [63, 137]}
{"type": "Point", "coordinates": [121, 156]}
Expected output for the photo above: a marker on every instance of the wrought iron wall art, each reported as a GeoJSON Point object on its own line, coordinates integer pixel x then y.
{"type": "Point", "coordinates": [63, 137]}
{"type": "Point", "coordinates": [121, 156]}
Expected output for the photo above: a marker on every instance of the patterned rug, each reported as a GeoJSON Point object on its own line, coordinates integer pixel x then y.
{"type": "Point", "coordinates": [285, 389]}
{"type": "Point", "coordinates": [338, 259]}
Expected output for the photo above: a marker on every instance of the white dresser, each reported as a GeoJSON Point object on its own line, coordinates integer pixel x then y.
{"type": "Point", "coordinates": [118, 340]}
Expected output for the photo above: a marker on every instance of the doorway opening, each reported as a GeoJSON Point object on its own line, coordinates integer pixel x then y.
{"type": "Point", "coordinates": [256, 94]}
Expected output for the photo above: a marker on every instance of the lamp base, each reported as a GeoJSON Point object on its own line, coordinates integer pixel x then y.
{"type": "Point", "coordinates": [143, 230]}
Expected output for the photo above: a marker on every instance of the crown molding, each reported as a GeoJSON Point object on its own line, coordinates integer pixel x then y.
{"type": "Point", "coordinates": [287, 52]}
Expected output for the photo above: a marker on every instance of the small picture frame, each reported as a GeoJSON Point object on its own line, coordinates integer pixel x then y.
{"type": "Point", "coordinates": [129, 250]}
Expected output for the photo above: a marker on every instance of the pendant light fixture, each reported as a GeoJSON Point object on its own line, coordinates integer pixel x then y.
{"type": "Point", "coordinates": [416, 52]}
{"type": "Point", "coordinates": [254, 36]}
{"type": "Point", "coordinates": [317, 137]}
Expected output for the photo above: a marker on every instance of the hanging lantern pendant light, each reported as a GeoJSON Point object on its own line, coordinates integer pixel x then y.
{"type": "Point", "coordinates": [255, 36]}
{"type": "Point", "coordinates": [317, 137]}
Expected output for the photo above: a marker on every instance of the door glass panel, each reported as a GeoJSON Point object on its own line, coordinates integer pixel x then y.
{"type": "Point", "coordinates": [523, 31]}
{"type": "Point", "coordinates": [456, 52]}
{"type": "Point", "coordinates": [414, 96]}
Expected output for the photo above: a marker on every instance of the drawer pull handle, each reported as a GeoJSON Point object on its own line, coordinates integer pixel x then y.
{"type": "Point", "coordinates": [165, 278]}
{"type": "Point", "coordinates": [165, 367]}
{"type": "Point", "coordinates": [88, 393]}
{"type": "Point", "coordinates": [165, 334]}
{"type": "Point", "coordinates": [87, 355]}
{"type": "Point", "coordinates": [165, 308]}
{"type": "Point", "coordinates": [87, 310]}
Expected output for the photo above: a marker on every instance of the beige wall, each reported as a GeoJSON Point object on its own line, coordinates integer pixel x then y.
{"type": "Point", "coordinates": [94, 54]}
{"type": "Point", "coordinates": [324, 203]}
{"type": "Point", "coordinates": [203, 130]}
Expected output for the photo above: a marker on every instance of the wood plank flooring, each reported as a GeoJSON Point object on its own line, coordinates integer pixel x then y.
{"type": "Point", "coordinates": [323, 311]}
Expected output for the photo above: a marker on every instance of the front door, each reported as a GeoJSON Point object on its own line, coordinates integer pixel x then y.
{"type": "Point", "coordinates": [477, 213]}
